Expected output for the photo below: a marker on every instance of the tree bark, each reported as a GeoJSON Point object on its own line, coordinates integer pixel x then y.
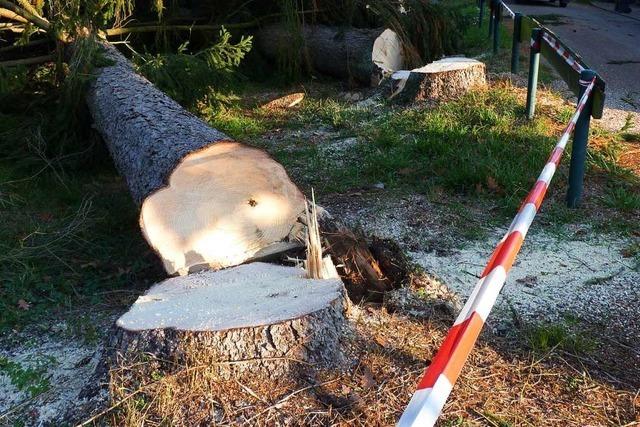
{"type": "Point", "coordinates": [359, 55]}
{"type": "Point", "coordinates": [442, 80]}
{"type": "Point", "coordinates": [206, 201]}
{"type": "Point", "coordinates": [258, 319]}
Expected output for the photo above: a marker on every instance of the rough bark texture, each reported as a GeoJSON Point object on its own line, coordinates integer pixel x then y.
{"type": "Point", "coordinates": [258, 348]}
{"type": "Point", "coordinates": [227, 202]}
{"type": "Point", "coordinates": [147, 132]}
{"type": "Point", "coordinates": [338, 52]}
{"type": "Point", "coordinates": [441, 80]}
{"type": "Point", "coordinates": [149, 136]}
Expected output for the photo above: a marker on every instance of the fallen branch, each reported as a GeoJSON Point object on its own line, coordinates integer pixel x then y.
{"type": "Point", "coordinates": [33, 18]}
{"type": "Point", "coordinates": [25, 46]}
{"type": "Point", "coordinates": [112, 32]}
{"type": "Point", "coordinates": [8, 14]}
{"type": "Point", "coordinates": [28, 61]}
{"type": "Point", "coordinates": [26, 5]}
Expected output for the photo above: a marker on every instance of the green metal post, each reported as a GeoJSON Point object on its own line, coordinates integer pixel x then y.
{"type": "Point", "coordinates": [580, 141]}
{"type": "Point", "coordinates": [491, 16]}
{"type": "Point", "coordinates": [515, 47]}
{"type": "Point", "coordinates": [534, 64]}
{"type": "Point", "coordinates": [496, 26]}
{"type": "Point", "coordinates": [481, 16]}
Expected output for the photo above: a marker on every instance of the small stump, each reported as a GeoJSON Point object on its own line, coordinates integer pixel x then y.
{"type": "Point", "coordinates": [257, 319]}
{"type": "Point", "coordinates": [442, 80]}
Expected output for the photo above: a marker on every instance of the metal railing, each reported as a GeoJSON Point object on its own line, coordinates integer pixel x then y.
{"type": "Point", "coordinates": [440, 376]}
{"type": "Point", "coordinates": [567, 63]}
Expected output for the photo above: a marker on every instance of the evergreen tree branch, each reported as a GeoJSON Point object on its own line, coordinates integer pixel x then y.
{"type": "Point", "coordinates": [111, 32]}
{"type": "Point", "coordinates": [26, 5]}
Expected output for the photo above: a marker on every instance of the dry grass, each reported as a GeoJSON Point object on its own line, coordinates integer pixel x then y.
{"type": "Point", "coordinates": [501, 386]}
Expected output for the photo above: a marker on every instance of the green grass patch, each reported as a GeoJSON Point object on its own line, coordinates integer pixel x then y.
{"type": "Point", "coordinates": [32, 380]}
{"type": "Point", "coordinates": [478, 145]}
{"type": "Point", "coordinates": [622, 198]}
{"type": "Point", "coordinates": [546, 337]}
{"type": "Point", "coordinates": [70, 231]}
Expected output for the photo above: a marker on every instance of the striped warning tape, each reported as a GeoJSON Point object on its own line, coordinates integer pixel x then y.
{"type": "Point", "coordinates": [560, 50]}
{"type": "Point", "coordinates": [509, 11]}
{"type": "Point", "coordinates": [535, 45]}
{"type": "Point", "coordinates": [436, 384]}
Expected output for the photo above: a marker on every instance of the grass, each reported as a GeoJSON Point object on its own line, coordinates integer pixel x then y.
{"type": "Point", "coordinates": [70, 236]}
{"type": "Point", "coordinates": [478, 147]}
{"type": "Point", "coordinates": [63, 244]}
{"type": "Point", "coordinates": [622, 198]}
{"type": "Point", "coordinates": [32, 380]}
{"type": "Point", "coordinates": [547, 337]}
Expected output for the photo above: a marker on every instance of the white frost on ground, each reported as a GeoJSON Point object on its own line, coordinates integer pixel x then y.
{"type": "Point", "coordinates": [66, 364]}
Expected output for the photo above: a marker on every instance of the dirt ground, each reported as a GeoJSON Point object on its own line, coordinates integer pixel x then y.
{"type": "Point", "coordinates": [570, 279]}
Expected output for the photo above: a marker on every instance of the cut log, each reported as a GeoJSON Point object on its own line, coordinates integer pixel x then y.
{"type": "Point", "coordinates": [362, 56]}
{"type": "Point", "coordinates": [445, 79]}
{"type": "Point", "coordinates": [206, 201]}
{"type": "Point", "coordinates": [257, 318]}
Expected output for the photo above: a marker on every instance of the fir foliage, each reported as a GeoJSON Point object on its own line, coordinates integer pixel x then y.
{"type": "Point", "coordinates": [196, 78]}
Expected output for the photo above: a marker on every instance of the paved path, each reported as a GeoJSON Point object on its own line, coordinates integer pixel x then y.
{"type": "Point", "coordinates": [607, 41]}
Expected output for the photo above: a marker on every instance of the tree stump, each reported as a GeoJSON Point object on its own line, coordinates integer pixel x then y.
{"type": "Point", "coordinates": [360, 55]}
{"type": "Point", "coordinates": [258, 319]}
{"type": "Point", "coordinates": [442, 80]}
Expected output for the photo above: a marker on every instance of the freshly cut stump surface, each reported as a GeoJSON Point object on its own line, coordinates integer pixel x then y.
{"type": "Point", "coordinates": [223, 205]}
{"type": "Point", "coordinates": [442, 80]}
{"type": "Point", "coordinates": [257, 318]}
{"type": "Point", "coordinates": [205, 201]}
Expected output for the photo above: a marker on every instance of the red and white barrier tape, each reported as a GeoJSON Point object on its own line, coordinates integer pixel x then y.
{"type": "Point", "coordinates": [534, 44]}
{"type": "Point", "coordinates": [560, 50]}
{"type": "Point", "coordinates": [511, 13]}
{"type": "Point", "coordinates": [436, 384]}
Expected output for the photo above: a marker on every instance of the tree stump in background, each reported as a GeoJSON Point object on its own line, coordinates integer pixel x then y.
{"type": "Point", "coordinates": [442, 80]}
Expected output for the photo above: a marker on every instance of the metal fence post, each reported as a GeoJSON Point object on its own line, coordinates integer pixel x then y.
{"type": "Point", "coordinates": [496, 26]}
{"type": "Point", "coordinates": [481, 15]}
{"type": "Point", "coordinates": [491, 16]}
{"type": "Point", "coordinates": [580, 141]}
{"type": "Point", "coordinates": [534, 64]}
{"type": "Point", "coordinates": [515, 47]}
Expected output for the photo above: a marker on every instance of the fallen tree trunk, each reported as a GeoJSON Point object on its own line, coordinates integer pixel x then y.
{"type": "Point", "coordinates": [206, 201]}
{"type": "Point", "coordinates": [261, 319]}
{"type": "Point", "coordinates": [359, 55]}
{"type": "Point", "coordinates": [442, 80]}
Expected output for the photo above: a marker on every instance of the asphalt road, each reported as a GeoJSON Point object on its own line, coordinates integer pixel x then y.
{"type": "Point", "coordinates": [608, 42]}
